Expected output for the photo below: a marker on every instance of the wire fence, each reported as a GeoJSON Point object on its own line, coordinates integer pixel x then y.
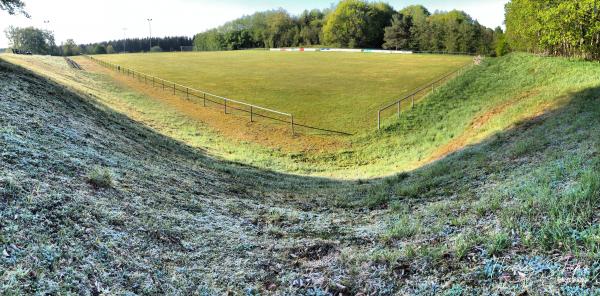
{"type": "Point", "coordinates": [253, 111]}
{"type": "Point", "coordinates": [228, 105]}
{"type": "Point", "coordinates": [420, 92]}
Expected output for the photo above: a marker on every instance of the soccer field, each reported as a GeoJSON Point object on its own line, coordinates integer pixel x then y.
{"type": "Point", "coordinates": [339, 91]}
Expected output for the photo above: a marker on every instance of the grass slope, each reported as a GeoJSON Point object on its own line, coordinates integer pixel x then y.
{"type": "Point", "coordinates": [483, 101]}
{"type": "Point", "coordinates": [93, 202]}
{"type": "Point", "coordinates": [339, 91]}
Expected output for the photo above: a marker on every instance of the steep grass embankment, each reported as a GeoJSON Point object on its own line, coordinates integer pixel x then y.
{"type": "Point", "coordinates": [87, 192]}
{"type": "Point", "coordinates": [487, 99]}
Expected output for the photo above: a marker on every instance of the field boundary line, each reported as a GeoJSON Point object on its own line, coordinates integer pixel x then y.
{"type": "Point", "coordinates": [430, 86]}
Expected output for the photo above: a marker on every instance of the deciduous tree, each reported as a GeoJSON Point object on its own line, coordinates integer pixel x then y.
{"type": "Point", "coordinates": [398, 35]}
{"type": "Point", "coordinates": [30, 39]}
{"type": "Point", "coordinates": [13, 7]}
{"type": "Point", "coordinates": [70, 48]}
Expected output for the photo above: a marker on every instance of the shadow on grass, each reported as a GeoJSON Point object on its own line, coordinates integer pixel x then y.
{"type": "Point", "coordinates": [459, 173]}
{"type": "Point", "coordinates": [538, 181]}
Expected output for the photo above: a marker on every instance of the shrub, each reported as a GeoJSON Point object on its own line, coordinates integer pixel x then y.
{"type": "Point", "coordinates": [100, 177]}
{"type": "Point", "coordinates": [99, 49]}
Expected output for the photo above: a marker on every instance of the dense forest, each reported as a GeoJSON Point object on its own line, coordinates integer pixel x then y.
{"type": "Point", "coordinates": [355, 24]}
{"type": "Point", "coordinates": [140, 44]}
{"type": "Point", "coordinates": [562, 28]}
{"type": "Point", "coordinates": [37, 41]}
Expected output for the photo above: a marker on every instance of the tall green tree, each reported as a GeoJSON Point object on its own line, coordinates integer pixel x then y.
{"type": "Point", "coordinates": [523, 24]}
{"type": "Point", "coordinates": [357, 23]}
{"type": "Point", "coordinates": [419, 15]}
{"type": "Point", "coordinates": [398, 35]}
{"type": "Point", "coordinates": [311, 24]}
{"type": "Point", "coordinates": [30, 39]}
{"type": "Point", "coordinates": [563, 28]}
{"type": "Point", "coordinates": [100, 49]}
{"type": "Point", "coordinates": [380, 16]}
{"type": "Point", "coordinates": [70, 48]}
{"type": "Point", "coordinates": [277, 33]}
{"type": "Point", "coordinates": [501, 45]}
{"type": "Point", "coordinates": [353, 23]}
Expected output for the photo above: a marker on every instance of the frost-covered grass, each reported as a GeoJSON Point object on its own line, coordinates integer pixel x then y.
{"type": "Point", "coordinates": [513, 212]}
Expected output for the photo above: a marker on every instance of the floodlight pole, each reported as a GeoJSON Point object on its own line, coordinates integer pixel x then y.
{"type": "Point", "coordinates": [150, 27]}
{"type": "Point", "coordinates": [46, 24]}
{"type": "Point", "coordinates": [124, 40]}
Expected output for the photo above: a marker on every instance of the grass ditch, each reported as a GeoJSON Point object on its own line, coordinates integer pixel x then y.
{"type": "Point", "coordinates": [513, 212]}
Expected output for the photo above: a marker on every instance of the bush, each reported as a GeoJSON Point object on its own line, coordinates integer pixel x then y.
{"type": "Point", "coordinates": [99, 49]}
{"type": "Point", "coordinates": [100, 177]}
{"type": "Point", "coordinates": [502, 47]}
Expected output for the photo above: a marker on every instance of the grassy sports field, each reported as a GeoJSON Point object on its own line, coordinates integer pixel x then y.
{"type": "Point", "coordinates": [339, 91]}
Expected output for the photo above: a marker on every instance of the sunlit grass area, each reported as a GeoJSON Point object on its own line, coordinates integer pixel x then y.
{"type": "Point", "coordinates": [339, 91]}
{"type": "Point", "coordinates": [483, 101]}
{"type": "Point", "coordinates": [495, 189]}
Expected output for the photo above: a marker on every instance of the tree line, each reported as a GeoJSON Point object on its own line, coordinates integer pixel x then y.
{"type": "Point", "coordinates": [355, 24]}
{"type": "Point", "coordinates": [38, 41]}
{"type": "Point", "coordinates": [171, 43]}
{"type": "Point", "coordinates": [562, 28]}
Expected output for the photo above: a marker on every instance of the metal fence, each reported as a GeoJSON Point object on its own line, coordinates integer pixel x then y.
{"type": "Point", "coordinates": [228, 104]}
{"type": "Point", "coordinates": [422, 90]}
{"type": "Point", "coordinates": [251, 110]}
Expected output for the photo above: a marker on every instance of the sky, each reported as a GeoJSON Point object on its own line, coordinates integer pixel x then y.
{"type": "Point", "coordinates": [88, 21]}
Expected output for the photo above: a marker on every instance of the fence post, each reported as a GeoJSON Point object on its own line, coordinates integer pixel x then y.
{"type": "Point", "coordinates": [399, 109]}
{"type": "Point", "coordinates": [152, 81]}
{"type": "Point", "coordinates": [173, 88]}
{"type": "Point", "coordinates": [187, 93]}
{"type": "Point", "coordinates": [163, 84]}
{"type": "Point", "coordinates": [379, 120]}
{"type": "Point", "coordinates": [293, 131]}
{"type": "Point", "coordinates": [251, 115]}
{"type": "Point", "coordinates": [412, 106]}
{"type": "Point", "coordinates": [225, 104]}
{"type": "Point", "coordinates": [204, 99]}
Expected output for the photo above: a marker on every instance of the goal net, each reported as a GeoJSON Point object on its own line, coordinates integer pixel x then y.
{"type": "Point", "coordinates": [187, 48]}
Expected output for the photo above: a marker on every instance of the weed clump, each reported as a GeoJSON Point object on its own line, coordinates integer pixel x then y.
{"type": "Point", "coordinates": [100, 177]}
{"type": "Point", "coordinates": [403, 228]}
{"type": "Point", "coordinates": [9, 187]}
